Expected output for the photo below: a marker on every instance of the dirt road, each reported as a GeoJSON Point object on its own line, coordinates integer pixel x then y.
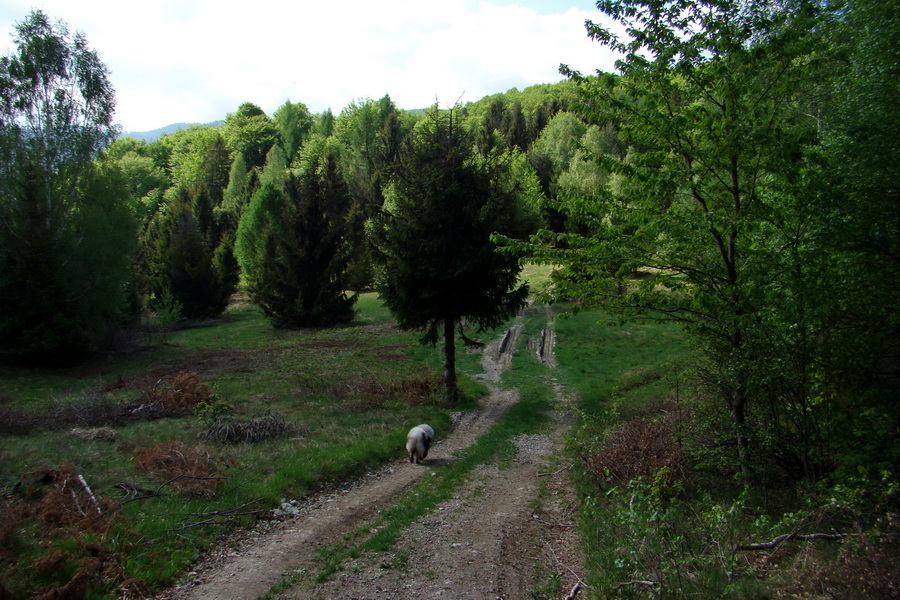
{"type": "Point", "coordinates": [506, 533]}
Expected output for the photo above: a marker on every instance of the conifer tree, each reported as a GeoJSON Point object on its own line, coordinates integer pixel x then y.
{"type": "Point", "coordinates": [440, 271]}
{"type": "Point", "coordinates": [292, 247]}
{"type": "Point", "coordinates": [180, 261]}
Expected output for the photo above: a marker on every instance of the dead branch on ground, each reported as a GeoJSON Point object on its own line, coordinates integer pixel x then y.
{"type": "Point", "coordinates": [569, 466]}
{"type": "Point", "coordinates": [805, 537]}
{"type": "Point", "coordinates": [211, 518]}
{"type": "Point", "coordinates": [90, 494]}
{"type": "Point", "coordinates": [574, 591]}
{"type": "Point", "coordinates": [634, 582]}
{"type": "Point", "coordinates": [580, 581]}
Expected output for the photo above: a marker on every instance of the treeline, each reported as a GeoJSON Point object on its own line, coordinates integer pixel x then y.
{"type": "Point", "coordinates": [98, 232]}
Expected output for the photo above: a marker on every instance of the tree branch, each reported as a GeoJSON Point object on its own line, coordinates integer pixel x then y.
{"type": "Point", "coordinates": [805, 537]}
{"type": "Point", "coordinates": [634, 582]}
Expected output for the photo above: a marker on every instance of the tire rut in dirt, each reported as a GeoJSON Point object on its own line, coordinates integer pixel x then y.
{"type": "Point", "coordinates": [261, 559]}
{"type": "Point", "coordinates": [478, 544]}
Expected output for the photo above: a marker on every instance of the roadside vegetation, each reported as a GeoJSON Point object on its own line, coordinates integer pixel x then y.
{"type": "Point", "coordinates": [664, 511]}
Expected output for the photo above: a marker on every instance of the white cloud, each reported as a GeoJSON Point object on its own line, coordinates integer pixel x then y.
{"type": "Point", "coordinates": [196, 60]}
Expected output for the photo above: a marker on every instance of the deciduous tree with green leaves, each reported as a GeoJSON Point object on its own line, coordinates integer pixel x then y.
{"type": "Point", "coordinates": [440, 270]}
{"type": "Point", "coordinates": [250, 132]}
{"type": "Point", "coordinates": [709, 100]}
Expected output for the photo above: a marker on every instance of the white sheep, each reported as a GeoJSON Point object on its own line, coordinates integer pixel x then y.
{"type": "Point", "coordinates": [418, 440]}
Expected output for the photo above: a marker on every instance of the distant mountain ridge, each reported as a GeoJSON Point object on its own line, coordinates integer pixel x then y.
{"type": "Point", "coordinates": [155, 134]}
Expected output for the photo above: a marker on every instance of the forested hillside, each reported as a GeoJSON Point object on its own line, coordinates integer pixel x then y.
{"type": "Point", "coordinates": [737, 176]}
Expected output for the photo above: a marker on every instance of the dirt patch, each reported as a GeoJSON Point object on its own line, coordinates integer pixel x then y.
{"type": "Point", "coordinates": [205, 363]}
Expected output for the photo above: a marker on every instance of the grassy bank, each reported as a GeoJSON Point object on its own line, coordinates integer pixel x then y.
{"type": "Point", "coordinates": [665, 514]}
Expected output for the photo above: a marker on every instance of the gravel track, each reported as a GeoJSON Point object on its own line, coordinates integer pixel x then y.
{"type": "Point", "coordinates": [500, 536]}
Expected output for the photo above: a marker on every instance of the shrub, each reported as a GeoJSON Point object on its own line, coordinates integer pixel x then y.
{"type": "Point", "coordinates": [640, 448]}
{"type": "Point", "coordinates": [253, 431]}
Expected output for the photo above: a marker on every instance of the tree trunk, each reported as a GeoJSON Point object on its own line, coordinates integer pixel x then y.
{"type": "Point", "coordinates": [450, 359]}
{"type": "Point", "coordinates": [738, 403]}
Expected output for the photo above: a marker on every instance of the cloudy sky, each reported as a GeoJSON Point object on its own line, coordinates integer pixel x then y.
{"type": "Point", "coordinates": [197, 60]}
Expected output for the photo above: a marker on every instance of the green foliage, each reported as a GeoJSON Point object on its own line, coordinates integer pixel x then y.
{"type": "Point", "coordinates": [324, 123]}
{"type": "Point", "coordinates": [294, 127]}
{"type": "Point", "coordinates": [556, 147]}
{"type": "Point", "coordinates": [859, 177]}
{"type": "Point", "coordinates": [199, 160]}
{"type": "Point", "coordinates": [168, 312]}
{"type": "Point", "coordinates": [65, 228]}
{"type": "Point", "coordinates": [371, 133]}
{"type": "Point", "coordinates": [236, 195]}
{"type": "Point", "coordinates": [211, 410]}
{"type": "Point", "coordinates": [537, 103]}
{"type": "Point", "coordinates": [705, 220]}
{"type": "Point", "coordinates": [291, 244]}
{"type": "Point", "coordinates": [146, 180]}
{"type": "Point", "coordinates": [275, 170]}
{"type": "Point", "coordinates": [180, 263]}
{"type": "Point", "coordinates": [250, 133]}
{"type": "Point", "coordinates": [584, 173]}
{"type": "Point", "coordinates": [560, 139]}
{"type": "Point", "coordinates": [432, 239]}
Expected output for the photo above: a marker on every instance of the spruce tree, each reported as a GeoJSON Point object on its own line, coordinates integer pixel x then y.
{"type": "Point", "coordinates": [181, 261]}
{"type": "Point", "coordinates": [440, 271]}
{"type": "Point", "coordinates": [291, 244]}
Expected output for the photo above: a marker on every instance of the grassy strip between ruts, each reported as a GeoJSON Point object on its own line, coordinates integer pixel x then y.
{"type": "Point", "coordinates": [527, 415]}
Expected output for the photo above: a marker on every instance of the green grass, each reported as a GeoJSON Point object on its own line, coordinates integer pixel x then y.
{"type": "Point", "coordinates": [602, 359]}
{"type": "Point", "coordinates": [537, 276]}
{"type": "Point", "coordinates": [322, 383]}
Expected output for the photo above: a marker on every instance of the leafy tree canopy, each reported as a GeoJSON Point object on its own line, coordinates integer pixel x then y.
{"type": "Point", "coordinates": [251, 133]}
